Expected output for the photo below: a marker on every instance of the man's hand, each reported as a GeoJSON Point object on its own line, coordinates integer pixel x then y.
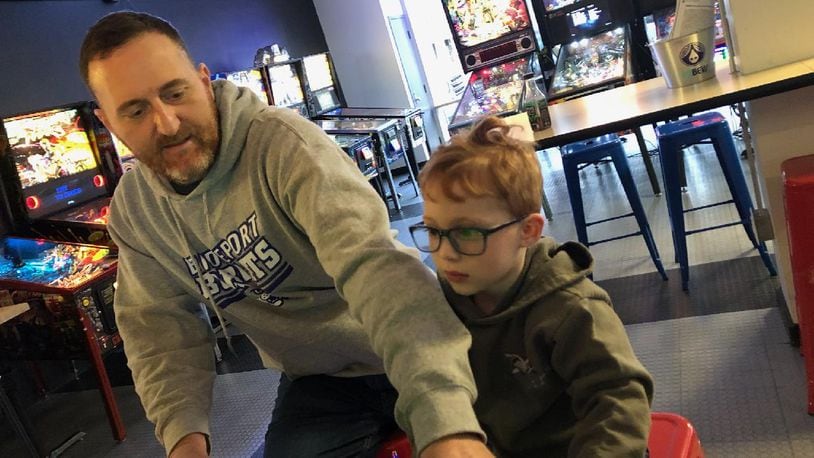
{"type": "Point", "coordinates": [191, 446]}
{"type": "Point", "coordinates": [457, 446]}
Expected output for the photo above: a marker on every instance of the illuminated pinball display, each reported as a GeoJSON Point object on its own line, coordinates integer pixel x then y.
{"type": "Point", "coordinates": [49, 145]}
{"type": "Point", "coordinates": [478, 21]}
{"type": "Point", "coordinates": [590, 61]}
{"type": "Point", "coordinates": [492, 90]}
{"type": "Point", "coordinates": [551, 5]}
{"type": "Point", "coordinates": [251, 79]}
{"type": "Point", "coordinates": [52, 264]}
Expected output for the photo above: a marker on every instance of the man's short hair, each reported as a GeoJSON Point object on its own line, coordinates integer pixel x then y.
{"type": "Point", "coordinates": [117, 29]}
{"type": "Point", "coordinates": [487, 162]}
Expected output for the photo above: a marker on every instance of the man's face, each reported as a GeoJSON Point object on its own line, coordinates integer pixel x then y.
{"type": "Point", "coordinates": [154, 99]}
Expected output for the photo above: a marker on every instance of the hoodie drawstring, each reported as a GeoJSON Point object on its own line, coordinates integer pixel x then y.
{"type": "Point", "coordinates": [198, 269]}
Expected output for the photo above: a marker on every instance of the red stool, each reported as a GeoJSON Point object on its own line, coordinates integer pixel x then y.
{"type": "Point", "coordinates": [396, 446]}
{"type": "Point", "coordinates": [672, 436]}
{"type": "Point", "coordinates": [798, 195]}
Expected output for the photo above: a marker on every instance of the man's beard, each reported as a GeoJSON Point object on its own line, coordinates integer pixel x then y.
{"type": "Point", "coordinates": [206, 142]}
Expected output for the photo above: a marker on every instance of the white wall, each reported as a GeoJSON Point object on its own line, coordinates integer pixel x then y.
{"type": "Point", "coordinates": [770, 33]}
{"type": "Point", "coordinates": [765, 35]}
{"type": "Point", "coordinates": [436, 48]}
{"type": "Point", "coordinates": [363, 52]}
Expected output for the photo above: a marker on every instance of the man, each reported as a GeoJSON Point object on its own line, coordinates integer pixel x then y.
{"type": "Point", "coordinates": [256, 212]}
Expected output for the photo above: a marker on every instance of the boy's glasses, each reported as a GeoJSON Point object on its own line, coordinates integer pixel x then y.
{"type": "Point", "coordinates": [468, 241]}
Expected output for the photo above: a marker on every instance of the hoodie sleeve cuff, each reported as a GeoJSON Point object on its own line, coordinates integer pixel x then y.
{"type": "Point", "coordinates": [182, 424]}
{"type": "Point", "coordinates": [442, 413]}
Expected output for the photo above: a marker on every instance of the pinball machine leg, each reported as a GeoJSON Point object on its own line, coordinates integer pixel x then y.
{"type": "Point", "coordinates": [113, 415]}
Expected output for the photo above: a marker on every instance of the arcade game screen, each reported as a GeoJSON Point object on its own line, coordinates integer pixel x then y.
{"type": "Point", "coordinates": [317, 71]}
{"type": "Point", "coordinates": [551, 5]}
{"type": "Point", "coordinates": [492, 90]}
{"type": "Point", "coordinates": [476, 22]}
{"type": "Point", "coordinates": [251, 79]}
{"type": "Point", "coordinates": [49, 145]}
{"type": "Point", "coordinates": [126, 157]}
{"type": "Point", "coordinates": [285, 85]}
{"type": "Point", "coordinates": [52, 264]}
{"type": "Point", "coordinates": [590, 61]}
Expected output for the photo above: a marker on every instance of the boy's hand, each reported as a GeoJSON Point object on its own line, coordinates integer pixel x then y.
{"type": "Point", "coordinates": [457, 446]}
{"type": "Point", "coordinates": [191, 446]}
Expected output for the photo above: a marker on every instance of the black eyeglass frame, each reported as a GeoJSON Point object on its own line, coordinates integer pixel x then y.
{"type": "Point", "coordinates": [446, 233]}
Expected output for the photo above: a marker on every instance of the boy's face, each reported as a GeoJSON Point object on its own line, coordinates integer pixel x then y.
{"type": "Point", "coordinates": [487, 276]}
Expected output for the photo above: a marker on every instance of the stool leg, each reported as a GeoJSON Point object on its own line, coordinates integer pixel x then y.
{"type": "Point", "coordinates": [730, 164]}
{"type": "Point", "coordinates": [623, 169]}
{"type": "Point", "coordinates": [648, 161]}
{"type": "Point", "coordinates": [549, 215]}
{"type": "Point", "coordinates": [671, 159]}
{"type": "Point", "coordinates": [571, 170]}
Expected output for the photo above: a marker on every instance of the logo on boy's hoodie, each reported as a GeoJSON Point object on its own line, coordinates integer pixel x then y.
{"type": "Point", "coordinates": [522, 369]}
{"type": "Point", "coordinates": [241, 264]}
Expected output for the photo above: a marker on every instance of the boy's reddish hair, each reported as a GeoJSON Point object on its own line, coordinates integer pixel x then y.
{"type": "Point", "coordinates": [486, 162]}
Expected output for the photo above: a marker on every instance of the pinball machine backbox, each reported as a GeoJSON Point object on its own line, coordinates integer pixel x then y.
{"type": "Point", "coordinates": [59, 168]}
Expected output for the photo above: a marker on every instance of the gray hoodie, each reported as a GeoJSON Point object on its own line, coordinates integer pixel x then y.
{"type": "Point", "coordinates": [286, 239]}
{"type": "Point", "coordinates": [554, 367]}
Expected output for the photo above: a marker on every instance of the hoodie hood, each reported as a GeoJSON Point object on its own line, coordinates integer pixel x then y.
{"type": "Point", "coordinates": [548, 268]}
{"type": "Point", "coordinates": [236, 107]}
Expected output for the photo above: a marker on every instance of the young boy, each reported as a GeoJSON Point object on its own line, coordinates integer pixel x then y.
{"type": "Point", "coordinates": [555, 372]}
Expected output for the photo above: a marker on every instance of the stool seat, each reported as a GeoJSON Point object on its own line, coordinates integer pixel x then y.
{"type": "Point", "coordinates": [691, 124]}
{"type": "Point", "coordinates": [672, 436]}
{"type": "Point", "coordinates": [593, 150]}
{"type": "Point", "coordinates": [672, 138]}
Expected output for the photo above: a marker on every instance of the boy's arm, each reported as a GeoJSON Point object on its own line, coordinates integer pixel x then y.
{"type": "Point", "coordinates": [610, 389]}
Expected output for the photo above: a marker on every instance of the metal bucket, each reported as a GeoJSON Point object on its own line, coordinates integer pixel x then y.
{"type": "Point", "coordinates": [686, 60]}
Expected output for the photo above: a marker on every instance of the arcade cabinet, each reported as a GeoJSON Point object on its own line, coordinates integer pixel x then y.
{"type": "Point", "coordinates": [252, 79]}
{"type": "Point", "coordinates": [592, 41]}
{"type": "Point", "coordinates": [69, 288]}
{"type": "Point", "coordinates": [59, 170]}
{"type": "Point", "coordinates": [496, 43]}
{"type": "Point", "coordinates": [321, 88]}
{"type": "Point", "coordinates": [285, 85]}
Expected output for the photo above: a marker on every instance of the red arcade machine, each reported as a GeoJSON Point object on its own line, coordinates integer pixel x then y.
{"type": "Point", "coordinates": [252, 79]}
{"type": "Point", "coordinates": [285, 85]}
{"type": "Point", "coordinates": [58, 177]}
{"type": "Point", "coordinates": [321, 89]}
{"type": "Point", "coordinates": [496, 42]}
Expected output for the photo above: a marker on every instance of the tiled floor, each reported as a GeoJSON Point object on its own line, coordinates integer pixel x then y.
{"type": "Point", "coordinates": [720, 354]}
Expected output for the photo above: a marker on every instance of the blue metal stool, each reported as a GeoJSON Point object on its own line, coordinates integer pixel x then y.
{"type": "Point", "coordinates": [673, 137]}
{"type": "Point", "coordinates": [589, 151]}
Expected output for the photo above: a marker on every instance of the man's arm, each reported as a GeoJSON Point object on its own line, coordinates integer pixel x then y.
{"type": "Point", "coordinates": [396, 298]}
{"type": "Point", "coordinates": [169, 347]}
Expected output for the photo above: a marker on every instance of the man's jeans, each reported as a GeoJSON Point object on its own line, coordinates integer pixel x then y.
{"type": "Point", "coordinates": [323, 416]}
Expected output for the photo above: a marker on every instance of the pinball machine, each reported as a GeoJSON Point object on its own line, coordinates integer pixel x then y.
{"type": "Point", "coordinates": [496, 43]}
{"type": "Point", "coordinates": [59, 169]}
{"type": "Point", "coordinates": [321, 88]}
{"type": "Point", "coordinates": [591, 39]}
{"type": "Point", "coordinates": [69, 289]}
{"type": "Point", "coordinates": [252, 79]}
{"type": "Point", "coordinates": [285, 88]}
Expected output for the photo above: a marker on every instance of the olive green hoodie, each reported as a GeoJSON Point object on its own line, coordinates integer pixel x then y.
{"type": "Point", "coordinates": [553, 365]}
{"type": "Point", "coordinates": [286, 239]}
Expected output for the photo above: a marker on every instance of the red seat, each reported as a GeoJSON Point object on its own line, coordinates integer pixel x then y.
{"type": "Point", "coordinates": [397, 446]}
{"type": "Point", "coordinates": [672, 436]}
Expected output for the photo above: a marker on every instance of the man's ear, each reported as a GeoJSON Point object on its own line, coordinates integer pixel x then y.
{"type": "Point", "coordinates": [205, 75]}
{"type": "Point", "coordinates": [102, 117]}
{"type": "Point", "coordinates": [531, 229]}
